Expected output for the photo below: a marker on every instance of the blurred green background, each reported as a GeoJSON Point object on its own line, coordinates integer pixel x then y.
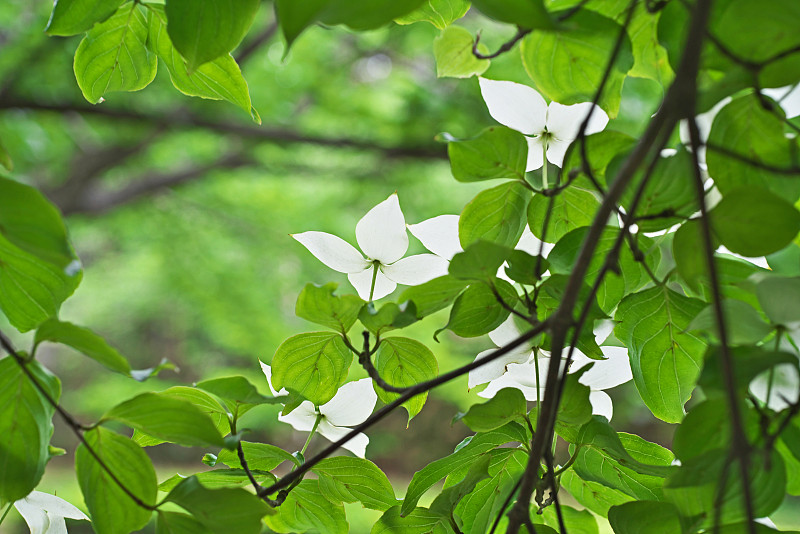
{"type": "Point", "coordinates": [181, 211]}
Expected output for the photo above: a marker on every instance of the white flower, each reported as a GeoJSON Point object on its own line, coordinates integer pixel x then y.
{"type": "Point", "coordinates": [785, 386]}
{"type": "Point", "coordinates": [518, 369]}
{"type": "Point", "coordinates": [381, 234]}
{"type": "Point", "coordinates": [551, 128]}
{"type": "Point", "coordinates": [440, 236]}
{"type": "Point", "coordinates": [351, 406]}
{"type": "Point", "coordinates": [45, 513]}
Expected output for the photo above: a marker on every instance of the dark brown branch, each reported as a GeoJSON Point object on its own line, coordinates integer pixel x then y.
{"type": "Point", "coordinates": [99, 200]}
{"type": "Point", "coordinates": [740, 447]}
{"type": "Point", "coordinates": [753, 163]}
{"type": "Point", "coordinates": [364, 359]}
{"type": "Point", "coordinates": [76, 427]}
{"type": "Point", "coordinates": [185, 119]}
{"type": "Point", "coordinates": [415, 390]}
{"type": "Point", "coordinates": [508, 45]}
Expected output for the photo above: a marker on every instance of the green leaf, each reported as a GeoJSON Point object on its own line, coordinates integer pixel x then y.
{"type": "Point", "coordinates": [237, 390]}
{"type": "Point", "coordinates": [307, 510]}
{"type": "Point", "coordinates": [84, 341]}
{"type": "Point", "coordinates": [524, 13]}
{"type": "Point", "coordinates": [466, 453]}
{"type": "Point", "coordinates": [453, 52]}
{"type": "Point", "coordinates": [404, 362]}
{"type": "Point", "coordinates": [201, 400]}
{"type": "Point", "coordinates": [5, 159]}
{"type": "Point", "coordinates": [219, 79]}
{"type": "Point", "coordinates": [389, 317]}
{"type": "Point", "coordinates": [665, 360]}
{"type": "Point", "coordinates": [669, 196]}
{"type": "Point", "coordinates": [479, 508]}
{"type": "Point", "coordinates": [508, 404]}
{"type": "Point", "coordinates": [259, 456]}
{"type": "Point", "coordinates": [603, 458]}
{"type": "Point", "coordinates": [496, 214]}
{"type": "Point", "coordinates": [319, 305]}
{"type": "Point", "coordinates": [416, 521]}
{"type": "Point", "coordinates": [38, 268]}
{"type": "Point", "coordinates": [778, 297]}
{"type": "Point", "coordinates": [572, 208]}
{"type": "Point", "coordinates": [113, 56]}
{"type": "Point", "coordinates": [687, 249]}
{"type": "Point", "coordinates": [522, 267]}
{"type": "Point", "coordinates": [349, 479]}
{"type": "Point", "coordinates": [575, 408]}
{"type": "Point", "coordinates": [26, 426]}
{"type": "Point", "coordinates": [750, 327]}
{"type": "Point", "coordinates": [480, 261]}
{"type": "Point", "coordinates": [649, 56]}
{"type": "Point", "coordinates": [112, 510]}
{"type": "Point", "coordinates": [750, 362]}
{"type": "Point", "coordinates": [222, 510]}
{"type": "Point", "coordinates": [433, 295]}
{"type": "Point", "coordinates": [754, 222]}
{"type": "Point", "coordinates": [204, 31]}
{"type": "Point", "coordinates": [568, 65]}
{"type": "Point", "coordinates": [220, 478]}
{"type": "Point", "coordinates": [579, 521]}
{"type": "Point", "coordinates": [694, 486]}
{"type": "Point", "coordinates": [477, 310]}
{"type": "Point", "coordinates": [31, 290]}
{"type": "Point", "coordinates": [645, 516]}
{"type": "Point", "coordinates": [313, 364]}
{"type": "Point", "coordinates": [178, 523]}
{"type": "Point", "coordinates": [169, 418]}
{"type": "Point", "coordinates": [595, 496]}
{"type": "Point", "coordinates": [707, 426]}
{"type": "Point", "coordinates": [71, 17]}
{"type": "Point", "coordinates": [294, 17]}
{"type": "Point", "coordinates": [745, 128]}
{"type": "Point", "coordinates": [446, 501]}
{"type": "Point", "coordinates": [497, 152]}
{"type": "Point", "coordinates": [601, 149]}
{"type": "Point", "coordinates": [440, 13]}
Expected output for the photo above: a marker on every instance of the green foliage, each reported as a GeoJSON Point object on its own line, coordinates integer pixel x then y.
{"type": "Point", "coordinates": [600, 282]}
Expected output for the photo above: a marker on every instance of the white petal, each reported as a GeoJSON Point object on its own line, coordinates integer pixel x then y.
{"type": "Point", "coordinates": [530, 243]}
{"type": "Point", "coordinates": [363, 281]}
{"type": "Point", "coordinates": [788, 98]}
{"type": "Point", "coordinates": [785, 385]}
{"type": "Point", "coordinates": [34, 516]}
{"type": "Point", "coordinates": [564, 122]}
{"type": "Point", "coordinates": [766, 521]}
{"type": "Point", "coordinates": [601, 404]}
{"type": "Point", "coordinates": [381, 233]}
{"type": "Point", "coordinates": [352, 404]}
{"type": "Point", "coordinates": [417, 269]}
{"type": "Point", "coordinates": [268, 373]}
{"type": "Point", "coordinates": [507, 382]}
{"type": "Point", "coordinates": [55, 506]}
{"type": "Point", "coordinates": [57, 525]}
{"type": "Point", "coordinates": [357, 444]}
{"type": "Point", "coordinates": [556, 150]}
{"type": "Point", "coordinates": [602, 329]}
{"type": "Point", "coordinates": [301, 418]}
{"type": "Point", "coordinates": [506, 333]}
{"type": "Point", "coordinates": [496, 368]}
{"type": "Point", "coordinates": [439, 235]}
{"type": "Point", "coordinates": [535, 154]}
{"type": "Point", "coordinates": [605, 374]}
{"type": "Point", "coordinates": [333, 251]}
{"type": "Point", "coordinates": [514, 105]}
{"type": "Point", "coordinates": [525, 373]}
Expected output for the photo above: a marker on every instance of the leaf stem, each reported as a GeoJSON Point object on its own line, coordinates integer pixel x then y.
{"type": "Point", "coordinates": [374, 278]}
{"type": "Point", "coordinates": [311, 434]}
{"type": "Point", "coordinates": [8, 509]}
{"type": "Point", "coordinates": [545, 185]}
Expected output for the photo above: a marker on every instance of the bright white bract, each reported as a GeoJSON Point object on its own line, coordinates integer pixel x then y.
{"type": "Point", "coordinates": [517, 369]}
{"type": "Point", "coordinates": [351, 405]}
{"type": "Point", "coordinates": [45, 513]}
{"type": "Point", "coordinates": [552, 127]}
{"type": "Point", "coordinates": [381, 234]}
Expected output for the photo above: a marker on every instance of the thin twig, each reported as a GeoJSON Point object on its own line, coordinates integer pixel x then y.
{"type": "Point", "coordinates": [508, 45]}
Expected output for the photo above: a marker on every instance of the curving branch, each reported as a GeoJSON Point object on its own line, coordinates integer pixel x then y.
{"type": "Point", "coordinates": [508, 45]}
